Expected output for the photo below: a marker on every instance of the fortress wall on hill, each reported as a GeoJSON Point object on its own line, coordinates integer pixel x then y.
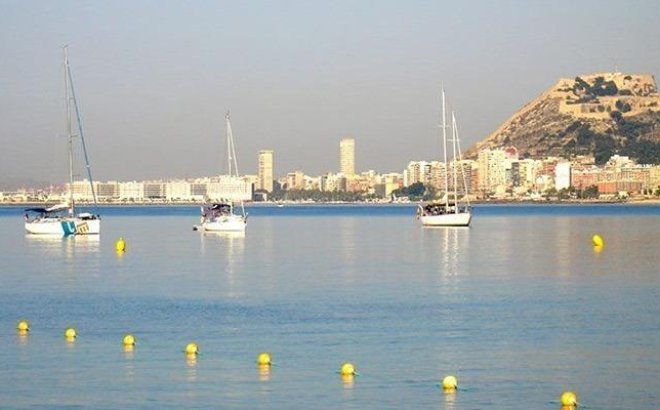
{"type": "Point", "coordinates": [644, 97]}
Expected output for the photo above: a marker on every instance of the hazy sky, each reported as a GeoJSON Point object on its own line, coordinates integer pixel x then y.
{"type": "Point", "coordinates": [154, 78]}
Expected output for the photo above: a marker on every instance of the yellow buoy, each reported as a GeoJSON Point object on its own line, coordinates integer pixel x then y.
{"type": "Point", "coordinates": [347, 369]}
{"type": "Point", "coordinates": [120, 245]}
{"type": "Point", "coordinates": [450, 383]}
{"type": "Point", "coordinates": [597, 240]}
{"type": "Point", "coordinates": [568, 398]}
{"type": "Point", "coordinates": [129, 340]}
{"type": "Point", "coordinates": [191, 349]}
{"type": "Point", "coordinates": [264, 359]}
{"type": "Point", "coordinates": [23, 326]}
{"type": "Point", "coordinates": [70, 333]}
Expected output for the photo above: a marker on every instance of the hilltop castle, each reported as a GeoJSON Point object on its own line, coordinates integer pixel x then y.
{"type": "Point", "coordinates": [597, 95]}
{"type": "Point", "coordinates": [614, 112]}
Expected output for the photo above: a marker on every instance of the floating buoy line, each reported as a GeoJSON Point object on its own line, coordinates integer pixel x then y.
{"type": "Point", "coordinates": [347, 370]}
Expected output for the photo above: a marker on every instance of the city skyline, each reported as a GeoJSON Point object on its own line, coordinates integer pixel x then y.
{"type": "Point", "coordinates": [498, 173]}
{"type": "Point", "coordinates": [155, 79]}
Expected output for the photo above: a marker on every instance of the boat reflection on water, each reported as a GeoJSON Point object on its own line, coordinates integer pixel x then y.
{"type": "Point", "coordinates": [76, 256]}
{"type": "Point", "coordinates": [227, 235]}
{"type": "Point", "coordinates": [67, 246]}
{"type": "Point", "coordinates": [451, 245]}
{"type": "Point", "coordinates": [234, 242]}
{"type": "Point", "coordinates": [226, 248]}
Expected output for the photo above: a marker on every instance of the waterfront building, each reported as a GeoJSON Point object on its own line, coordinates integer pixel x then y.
{"type": "Point", "coordinates": [492, 169]}
{"type": "Point", "coordinates": [131, 191]}
{"type": "Point", "coordinates": [265, 170]}
{"type": "Point", "coordinates": [331, 182]}
{"type": "Point", "coordinates": [312, 183]}
{"type": "Point", "coordinates": [549, 164]}
{"type": "Point", "coordinates": [543, 182]}
{"type": "Point", "coordinates": [295, 180]}
{"type": "Point", "coordinates": [358, 183]}
{"type": "Point", "coordinates": [562, 175]}
{"type": "Point", "coordinates": [618, 161]}
{"type": "Point", "coordinates": [435, 175]}
{"type": "Point", "coordinates": [613, 180]}
{"type": "Point", "coordinates": [177, 190]}
{"type": "Point", "coordinates": [154, 190]}
{"type": "Point", "coordinates": [229, 188]}
{"type": "Point", "coordinates": [385, 188]}
{"type": "Point", "coordinates": [199, 189]}
{"type": "Point", "coordinates": [654, 178]}
{"type": "Point", "coordinates": [523, 173]}
{"type": "Point", "coordinates": [347, 156]}
{"type": "Point", "coordinates": [415, 172]}
{"type": "Point", "coordinates": [107, 191]}
{"type": "Point", "coordinates": [387, 183]}
{"type": "Point", "coordinates": [464, 173]}
{"type": "Point", "coordinates": [82, 190]}
{"type": "Point", "coordinates": [624, 178]}
{"type": "Point", "coordinates": [516, 179]}
{"type": "Point", "coordinates": [584, 177]}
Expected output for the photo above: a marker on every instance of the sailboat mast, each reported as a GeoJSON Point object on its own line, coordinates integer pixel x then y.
{"type": "Point", "coordinates": [454, 173]}
{"type": "Point", "coordinates": [466, 196]}
{"type": "Point", "coordinates": [229, 143]}
{"type": "Point", "coordinates": [71, 101]}
{"type": "Point", "coordinates": [231, 150]}
{"type": "Point", "coordinates": [69, 130]}
{"type": "Point", "coordinates": [231, 160]}
{"type": "Point", "coordinates": [444, 148]}
{"type": "Point", "coordinates": [79, 128]}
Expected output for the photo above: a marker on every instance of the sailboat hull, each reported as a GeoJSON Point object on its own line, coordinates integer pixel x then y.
{"type": "Point", "coordinates": [229, 223]}
{"type": "Point", "coordinates": [450, 219]}
{"type": "Point", "coordinates": [63, 226]}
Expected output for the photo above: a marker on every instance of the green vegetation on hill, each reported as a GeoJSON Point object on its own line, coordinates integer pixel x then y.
{"type": "Point", "coordinates": [633, 137]}
{"type": "Point", "coordinates": [600, 87]}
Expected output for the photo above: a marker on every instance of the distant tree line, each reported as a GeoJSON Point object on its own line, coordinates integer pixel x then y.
{"type": "Point", "coordinates": [417, 191]}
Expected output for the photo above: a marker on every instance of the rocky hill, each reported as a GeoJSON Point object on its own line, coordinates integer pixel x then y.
{"type": "Point", "coordinates": [599, 114]}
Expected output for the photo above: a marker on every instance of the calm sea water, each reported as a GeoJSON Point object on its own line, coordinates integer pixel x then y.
{"type": "Point", "coordinates": [519, 307]}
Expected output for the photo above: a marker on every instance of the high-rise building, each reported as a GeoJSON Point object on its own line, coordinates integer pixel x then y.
{"type": "Point", "coordinates": [492, 169]}
{"type": "Point", "coordinates": [265, 172]}
{"type": "Point", "coordinates": [347, 156]}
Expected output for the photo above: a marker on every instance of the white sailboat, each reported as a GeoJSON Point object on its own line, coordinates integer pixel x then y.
{"type": "Point", "coordinates": [451, 210]}
{"type": "Point", "coordinates": [226, 216]}
{"type": "Point", "coordinates": [62, 219]}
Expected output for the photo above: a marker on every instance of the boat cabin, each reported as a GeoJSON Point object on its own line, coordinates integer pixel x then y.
{"type": "Point", "coordinates": [441, 208]}
{"type": "Point", "coordinates": [216, 210]}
